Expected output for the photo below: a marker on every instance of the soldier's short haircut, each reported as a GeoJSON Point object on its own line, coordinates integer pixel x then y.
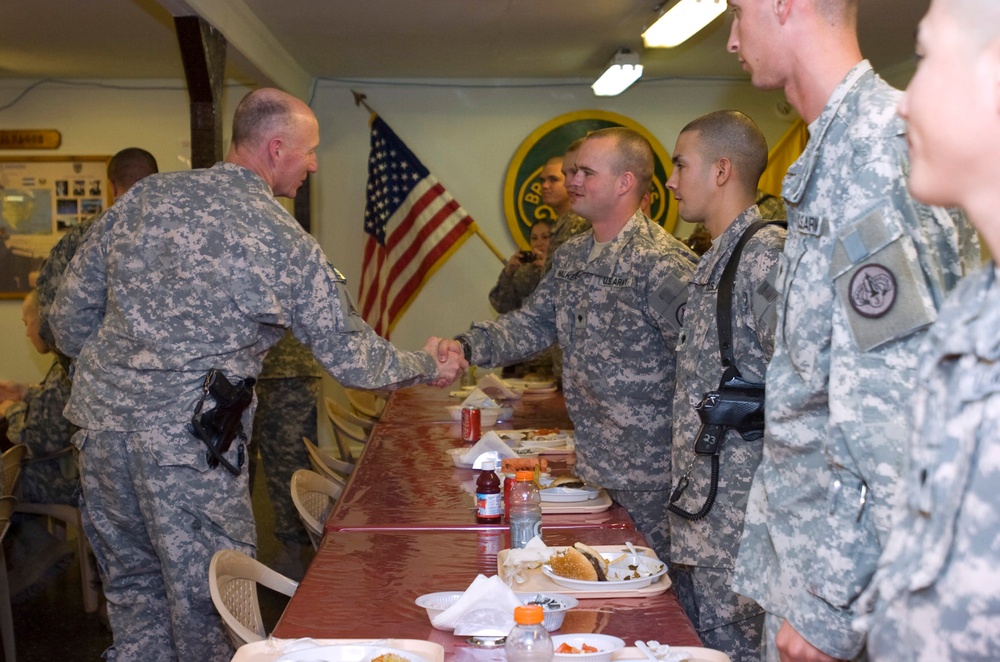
{"type": "Point", "coordinates": [633, 153]}
{"type": "Point", "coordinates": [260, 116]}
{"type": "Point", "coordinates": [575, 145]}
{"type": "Point", "coordinates": [129, 166]}
{"type": "Point", "coordinates": [733, 135]}
{"type": "Point", "coordinates": [844, 12]}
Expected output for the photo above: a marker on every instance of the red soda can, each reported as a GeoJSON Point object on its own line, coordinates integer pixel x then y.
{"type": "Point", "coordinates": [470, 423]}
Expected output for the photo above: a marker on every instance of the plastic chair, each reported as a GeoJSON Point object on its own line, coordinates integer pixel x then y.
{"type": "Point", "coordinates": [365, 403]}
{"type": "Point", "coordinates": [314, 497]}
{"type": "Point", "coordinates": [346, 430]}
{"type": "Point", "coordinates": [232, 581]}
{"type": "Point", "coordinates": [7, 503]}
{"type": "Point", "coordinates": [10, 468]}
{"type": "Point", "coordinates": [335, 408]}
{"type": "Point", "coordinates": [65, 517]}
{"type": "Point", "coordinates": [326, 465]}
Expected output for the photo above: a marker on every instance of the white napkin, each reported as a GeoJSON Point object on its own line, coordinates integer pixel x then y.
{"type": "Point", "coordinates": [479, 399]}
{"type": "Point", "coordinates": [488, 443]}
{"type": "Point", "coordinates": [519, 561]}
{"type": "Point", "coordinates": [490, 383]}
{"type": "Point", "coordinates": [484, 593]}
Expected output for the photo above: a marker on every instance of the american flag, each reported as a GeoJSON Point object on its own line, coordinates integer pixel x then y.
{"type": "Point", "coordinates": [413, 227]}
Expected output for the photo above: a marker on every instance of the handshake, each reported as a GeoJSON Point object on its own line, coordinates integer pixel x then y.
{"type": "Point", "coordinates": [450, 359]}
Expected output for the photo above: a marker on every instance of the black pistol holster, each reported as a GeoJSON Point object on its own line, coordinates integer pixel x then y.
{"type": "Point", "coordinates": [220, 425]}
{"type": "Point", "coordinates": [737, 404]}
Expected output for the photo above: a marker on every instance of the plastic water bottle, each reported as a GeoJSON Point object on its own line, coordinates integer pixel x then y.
{"type": "Point", "coordinates": [528, 641]}
{"type": "Point", "coordinates": [525, 510]}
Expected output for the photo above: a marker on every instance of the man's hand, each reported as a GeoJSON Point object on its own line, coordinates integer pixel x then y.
{"type": "Point", "coordinates": [15, 391]}
{"type": "Point", "coordinates": [792, 647]}
{"type": "Point", "coordinates": [450, 358]}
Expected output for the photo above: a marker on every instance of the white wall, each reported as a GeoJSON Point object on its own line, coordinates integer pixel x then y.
{"type": "Point", "coordinates": [466, 136]}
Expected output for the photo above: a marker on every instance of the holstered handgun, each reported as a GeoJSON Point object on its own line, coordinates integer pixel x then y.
{"type": "Point", "coordinates": [220, 425]}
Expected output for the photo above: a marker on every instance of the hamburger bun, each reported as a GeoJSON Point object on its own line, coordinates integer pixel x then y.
{"type": "Point", "coordinates": [566, 481]}
{"type": "Point", "coordinates": [580, 562]}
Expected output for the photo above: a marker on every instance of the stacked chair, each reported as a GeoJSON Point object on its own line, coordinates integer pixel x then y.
{"type": "Point", "coordinates": [10, 474]}
{"type": "Point", "coordinates": [314, 497]}
{"type": "Point", "coordinates": [349, 429]}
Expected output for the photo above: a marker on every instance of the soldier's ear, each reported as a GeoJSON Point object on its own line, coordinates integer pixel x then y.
{"type": "Point", "coordinates": [274, 149]}
{"type": "Point", "coordinates": [723, 170]}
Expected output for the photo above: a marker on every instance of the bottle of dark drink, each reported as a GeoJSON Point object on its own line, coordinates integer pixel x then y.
{"type": "Point", "coordinates": [489, 509]}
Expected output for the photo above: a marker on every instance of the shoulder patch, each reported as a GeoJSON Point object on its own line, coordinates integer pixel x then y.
{"type": "Point", "coordinates": [873, 291]}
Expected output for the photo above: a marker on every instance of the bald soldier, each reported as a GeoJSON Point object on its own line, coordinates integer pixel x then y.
{"type": "Point", "coordinates": [936, 587]}
{"type": "Point", "coordinates": [169, 317]}
{"type": "Point", "coordinates": [864, 272]}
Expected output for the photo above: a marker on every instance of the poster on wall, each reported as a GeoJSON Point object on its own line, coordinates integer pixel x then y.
{"type": "Point", "coordinates": [40, 198]}
{"type": "Point", "coordinates": [523, 205]}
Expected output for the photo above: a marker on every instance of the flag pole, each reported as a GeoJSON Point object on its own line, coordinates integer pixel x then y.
{"type": "Point", "coordinates": [489, 244]}
{"type": "Point", "coordinates": [359, 100]}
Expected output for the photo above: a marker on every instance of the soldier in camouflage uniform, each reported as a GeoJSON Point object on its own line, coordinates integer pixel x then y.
{"type": "Point", "coordinates": [288, 392]}
{"type": "Point", "coordinates": [518, 278]}
{"type": "Point", "coordinates": [34, 416]}
{"type": "Point", "coordinates": [718, 161]}
{"type": "Point", "coordinates": [204, 270]}
{"type": "Point", "coordinates": [863, 274]}
{"type": "Point", "coordinates": [936, 591]}
{"type": "Point", "coordinates": [569, 224]}
{"type": "Point", "coordinates": [613, 300]}
{"type": "Point", "coordinates": [125, 168]}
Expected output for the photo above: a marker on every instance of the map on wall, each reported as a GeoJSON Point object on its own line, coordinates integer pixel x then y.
{"type": "Point", "coordinates": [41, 198]}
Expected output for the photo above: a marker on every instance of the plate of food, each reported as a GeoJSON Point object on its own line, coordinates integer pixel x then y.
{"type": "Point", "coordinates": [567, 489]}
{"type": "Point", "coordinates": [582, 567]}
{"type": "Point", "coordinates": [541, 439]}
{"type": "Point", "coordinates": [569, 494]}
{"type": "Point", "coordinates": [350, 653]}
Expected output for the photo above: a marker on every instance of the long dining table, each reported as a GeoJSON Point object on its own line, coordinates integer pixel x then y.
{"type": "Point", "coordinates": [405, 526]}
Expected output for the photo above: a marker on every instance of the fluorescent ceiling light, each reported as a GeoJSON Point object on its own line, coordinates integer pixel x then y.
{"type": "Point", "coordinates": [623, 70]}
{"type": "Point", "coordinates": [683, 20]}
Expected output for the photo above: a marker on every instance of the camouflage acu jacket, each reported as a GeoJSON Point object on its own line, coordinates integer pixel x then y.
{"type": "Point", "coordinates": [863, 273]}
{"type": "Point", "coordinates": [936, 598]}
{"type": "Point", "coordinates": [195, 270]}
{"type": "Point", "coordinates": [617, 320]}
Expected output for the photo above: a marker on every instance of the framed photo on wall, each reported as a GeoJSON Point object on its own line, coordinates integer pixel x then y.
{"type": "Point", "coordinates": [40, 198]}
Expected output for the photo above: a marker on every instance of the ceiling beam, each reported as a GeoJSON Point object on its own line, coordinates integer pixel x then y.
{"type": "Point", "coordinates": [251, 38]}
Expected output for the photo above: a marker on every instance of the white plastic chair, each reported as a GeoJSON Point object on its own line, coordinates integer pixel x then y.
{"type": "Point", "coordinates": [347, 428]}
{"type": "Point", "coordinates": [232, 581]}
{"type": "Point", "coordinates": [326, 465]}
{"type": "Point", "coordinates": [10, 468]}
{"type": "Point", "coordinates": [66, 518]}
{"type": "Point", "coordinates": [365, 403]}
{"type": "Point", "coordinates": [314, 497]}
{"type": "Point", "coordinates": [7, 503]}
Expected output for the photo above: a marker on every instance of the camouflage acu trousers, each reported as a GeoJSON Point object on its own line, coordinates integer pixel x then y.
{"type": "Point", "coordinates": [648, 509]}
{"type": "Point", "coordinates": [735, 632]}
{"type": "Point", "coordinates": [286, 412]}
{"type": "Point", "coordinates": [155, 514]}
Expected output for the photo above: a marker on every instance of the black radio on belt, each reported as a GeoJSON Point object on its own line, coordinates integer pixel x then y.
{"type": "Point", "coordinates": [220, 425]}
{"type": "Point", "coordinates": [736, 405]}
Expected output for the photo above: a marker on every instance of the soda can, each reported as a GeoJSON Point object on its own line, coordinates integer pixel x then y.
{"type": "Point", "coordinates": [470, 423]}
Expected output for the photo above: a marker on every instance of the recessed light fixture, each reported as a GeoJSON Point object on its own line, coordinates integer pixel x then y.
{"type": "Point", "coordinates": [623, 70]}
{"type": "Point", "coordinates": [681, 22]}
